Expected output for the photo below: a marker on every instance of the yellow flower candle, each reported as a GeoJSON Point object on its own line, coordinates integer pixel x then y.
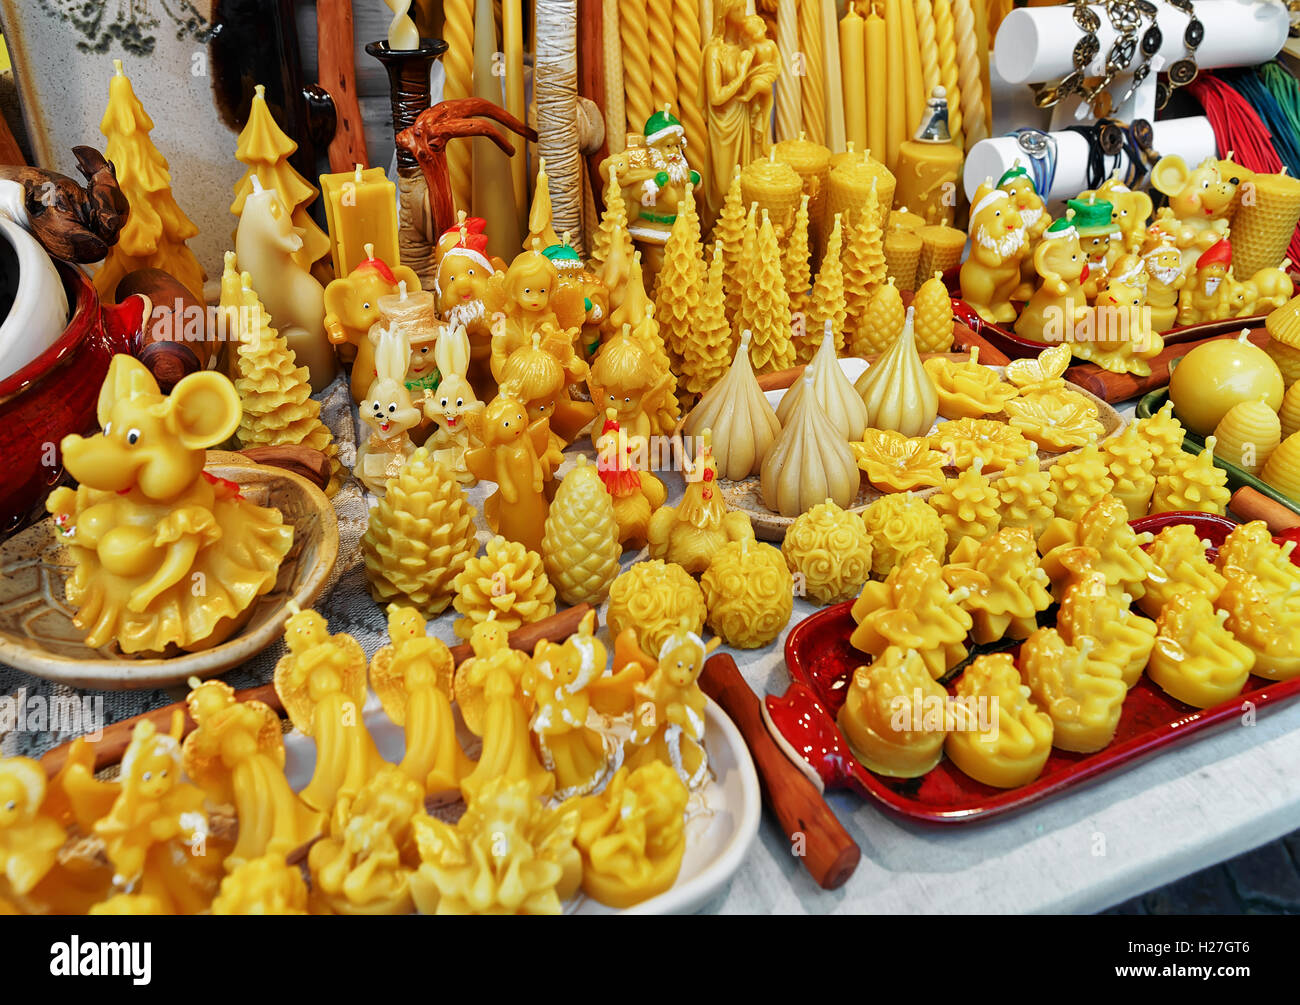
{"type": "Point", "coordinates": [853, 71]}
{"type": "Point", "coordinates": [828, 550]}
{"type": "Point", "coordinates": [1083, 697]}
{"type": "Point", "coordinates": [1180, 563]}
{"type": "Point", "coordinates": [1193, 484]}
{"type": "Point", "coordinates": [898, 525]}
{"type": "Point", "coordinates": [1056, 420]}
{"type": "Point", "coordinates": [1013, 750]}
{"type": "Point", "coordinates": [507, 583]}
{"type": "Point", "coordinates": [968, 390]}
{"type": "Point", "coordinates": [1195, 658]}
{"type": "Point", "coordinates": [997, 445]}
{"type": "Point", "coordinates": [1006, 587]}
{"type": "Point", "coordinates": [1128, 459]}
{"type": "Point", "coordinates": [749, 594]}
{"type": "Point", "coordinates": [894, 463]}
{"type": "Point", "coordinates": [1090, 611]}
{"type": "Point", "coordinates": [895, 715]}
{"type": "Point", "coordinates": [913, 609]}
{"type": "Point", "coordinates": [1268, 623]}
{"type": "Point", "coordinates": [1027, 496]}
{"type": "Point", "coordinates": [1104, 527]}
{"type": "Point", "coordinates": [655, 598]}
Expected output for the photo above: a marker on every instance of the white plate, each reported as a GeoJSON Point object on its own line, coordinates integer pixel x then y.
{"type": "Point", "coordinates": [718, 832]}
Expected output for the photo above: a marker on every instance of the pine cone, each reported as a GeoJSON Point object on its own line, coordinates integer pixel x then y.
{"type": "Point", "coordinates": [580, 548]}
{"type": "Point", "coordinates": [507, 581]}
{"type": "Point", "coordinates": [932, 320]}
{"type": "Point", "coordinates": [420, 536]}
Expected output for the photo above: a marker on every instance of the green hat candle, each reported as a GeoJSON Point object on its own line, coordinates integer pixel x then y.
{"type": "Point", "coordinates": [1091, 216]}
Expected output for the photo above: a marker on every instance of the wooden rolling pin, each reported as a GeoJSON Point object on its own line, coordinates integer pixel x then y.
{"type": "Point", "coordinates": [830, 854]}
{"type": "Point", "coordinates": [110, 748]}
{"type": "Point", "coordinates": [1122, 386]}
{"type": "Point", "coordinates": [1251, 504]}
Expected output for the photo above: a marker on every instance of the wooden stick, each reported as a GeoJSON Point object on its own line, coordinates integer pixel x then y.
{"type": "Point", "coordinates": [829, 853]}
{"type": "Point", "coordinates": [1251, 504]}
{"type": "Point", "coordinates": [112, 745]}
{"type": "Point", "coordinates": [337, 69]}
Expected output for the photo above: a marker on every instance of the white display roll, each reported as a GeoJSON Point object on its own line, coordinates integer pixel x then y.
{"type": "Point", "coordinates": [1190, 138]}
{"type": "Point", "coordinates": [1036, 44]}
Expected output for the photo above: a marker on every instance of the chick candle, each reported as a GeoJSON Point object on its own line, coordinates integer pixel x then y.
{"type": "Point", "coordinates": [876, 48]}
{"type": "Point", "coordinates": [853, 75]}
{"type": "Point", "coordinates": [360, 209]}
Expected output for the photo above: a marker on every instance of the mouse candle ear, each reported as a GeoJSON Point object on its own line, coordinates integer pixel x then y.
{"type": "Point", "coordinates": [127, 377]}
{"type": "Point", "coordinates": [203, 410]}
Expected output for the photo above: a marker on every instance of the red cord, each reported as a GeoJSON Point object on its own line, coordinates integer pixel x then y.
{"type": "Point", "coordinates": [1239, 130]}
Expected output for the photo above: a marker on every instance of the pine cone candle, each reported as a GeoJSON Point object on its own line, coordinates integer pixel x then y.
{"type": "Point", "coordinates": [1027, 496]}
{"type": "Point", "coordinates": [1128, 459]}
{"type": "Point", "coordinates": [898, 525]}
{"type": "Point", "coordinates": [708, 349]}
{"type": "Point", "coordinates": [749, 594]}
{"type": "Point", "coordinates": [680, 283]}
{"type": "Point", "coordinates": [829, 552]}
{"type": "Point", "coordinates": [655, 598]}
{"type": "Point", "coordinates": [968, 506]}
{"type": "Point", "coordinates": [827, 300]}
{"type": "Point", "coordinates": [1079, 481]}
{"type": "Point", "coordinates": [764, 306]}
{"type": "Point", "coordinates": [882, 324]}
{"type": "Point", "coordinates": [508, 581]}
{"type": "Point", "coordinates": [278, 409]}
{"type": "Point", "coordinates": [1193, 484]}
{"type": "Point", "coordinates": [933, 319]}
{"type": "Point", "coordinates": [580, 549]}
{"type": "Point", "coordinates": [1165, 434]}
{"type": "Point", "coordinates": [419, 537]}
{"type": "Point", "coordinates": [797, 264]}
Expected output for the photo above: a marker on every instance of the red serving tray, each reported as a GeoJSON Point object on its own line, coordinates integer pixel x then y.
{"type": "Point", "coordinates": [821, 663]}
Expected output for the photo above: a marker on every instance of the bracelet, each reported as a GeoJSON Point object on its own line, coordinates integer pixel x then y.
{"type": "Point", "coordinates": [1184, 70]}
{"type": "Point", "coordinates": [1097, 172]}
{"type": "Point", "coordinates": [1085, 51]}
{"type": "Point", "coordinates": [1040, 148]}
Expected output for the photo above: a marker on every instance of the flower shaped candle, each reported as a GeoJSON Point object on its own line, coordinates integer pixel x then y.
{"type": "Point", "coordinates": [968, 505]}
{"type": "Point", "coordinates": [1165, 434]}
{"type": "Point", "coordinates": [1012, 750]}
{"type": "Point", "coordinates": [896, 463]}
{"type": "Point", "coordinates": [1004, 585]}
{"type": "Point", "coordinates": [1268, 623]}
{"type": "Point", "coordinates": [829, 552]}
{"type": "Point", "coordinates": [1083, 697]}
{"type": "Point", "coordinates": [1056, 420]}
{"type": "Point", "coordinates": [1044, 372]}
{"type": "Point", "coordinates": [1251, 548]}
{"type": "Point", "coordinates": [914, 609]}
{"type": "Point", "coordinates": [895, 715]}
{"type": "Point", "coordinates": [1180, 563]}
{"type": "Point", "coordinates": [508, 854]}
{"type": "Point", "coordinates": [1089, 610]}
{"type": "Point", "coordinates": [361, 866]}
{"type": "Point", "coordinates": [1103, 527]}
{"type": "Point", "coordinates": [996, 443]}
{"type": "Point", "coordinates": [1195, 658]}
{"type": "Point", "coordinates": [653, 598]}
{"type": "Point", "coordinates": [1079, 480]}
{"type": "Point", "coordinates": [810, 460]}
{"type": "Point", "coordinates": [1027, 496]}
{"type": "Point", "coordinates": [633, 835]}
{"type": "Point", "coordinates": [968, 390]}
{"type": "Point", "coordinates": [1193, 483]}
{"type": "Point", "coordinates": [507, 583]}
{"type": "Point", "coordinates": [266, 886]}
{"type": "Point", "coordinates": [1129, 459]}
{"type": "Point", "coordinates": [749, 593]}
{"type": "Point", "coordinates": [898, 525]}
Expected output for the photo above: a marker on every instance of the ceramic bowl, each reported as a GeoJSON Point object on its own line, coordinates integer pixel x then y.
{"type": "Point", "coordinates": [55, 394]}
{"type": "Point", "coordinates": [36, 630]}
{"type": "Point", "coordinates": [38, 310]}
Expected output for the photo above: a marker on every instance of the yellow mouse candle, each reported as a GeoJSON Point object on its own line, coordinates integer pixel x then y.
{"type": "Point", "coordinates": [1013, 750]}
{"type": "Point", "coordinates": [1195, 658]}
{"type": "Point", "coordinates": [1083, 697]}
{"type": "Point", "coordinates": [895, 715]}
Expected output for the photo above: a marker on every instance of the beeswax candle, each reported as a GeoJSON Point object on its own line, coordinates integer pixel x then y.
{"type": "Point", "coordinates": [927, 45]}
{"type": "Point", "coordinates": [688, 47]}
{"type": "Point", "coordinates": [853, 75]}
{"type": "Point", "coordinates": [897, 122]}
{"type": "Point", "coordinates": [458, 65]}
{"type": "Point", "coordinates": [663, 73]}
{"type": "Point", "coordinates": [634, 29]}
{"type": "Point", "coordinates": [361, 210]}
{"type": "Point", "coordinates": [876, 48]}
{"type": "Point", "coordinates": [902, 254]}
{"type": "Point", "coordinates": [835, 130]}
{"type": "Point", "coordinates": [812, 162]}
{"type": "Point", "coordinates": [812, 85]}
{"type": "Point", "coordinates": [913, 81]}
{"type": "Point", "coordinates": [930, 165]}
{"type": "Point", "coordinates": [969, 73]}
{"type": "Point", "coordinates": [941, 248]}
{"type": "Point", "coordinates": [615, 102]}
{"type": "Point", "coordinates": [512, 41]}
{"type": "Point", "coordinates": [945, 32]}
{"type": "Point", "coordinates": [789, 113]}
{"type": "Point", "coordinates": [1013, 750]}
{"type": "Point", "coordinates": [1262, 227]}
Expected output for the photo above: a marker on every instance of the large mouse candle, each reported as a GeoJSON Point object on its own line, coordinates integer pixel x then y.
{"type": "Point", "coordinates": [146, 523]}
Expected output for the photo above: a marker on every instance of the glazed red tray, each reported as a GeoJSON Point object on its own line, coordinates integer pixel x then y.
{"type": "Point", "coordinates": [821, 663]}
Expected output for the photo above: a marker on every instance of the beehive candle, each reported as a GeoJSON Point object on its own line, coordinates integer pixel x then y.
{"type": "Point", "coordinates": [1083, 697]}
{"type": "Point", "coordinates": [1248, 434]}
{"type": "Point", "coordinates": [902, 255]}
{"type": "Point", "coordinates": [1195, 658]}
{"type": "Point", "coordinates": [930, 165]}
{"type": "Point", "coordinates": [876, 48]}
{"type": "Point", "coordinates": [775, 186]}
{"type": "Point", "coordinates": [1263, 226]}
{"type": "Point", "coordinates": [812, 162]}
{"type": "Point", "coordinates": [941, 248]}
{"type": "Point", "coordinates": [1013, 750]}
{"type": "Point", "coordinates": [894, 715]}
{"type": "Point", "coordinates": [1283, 468]}
{"type": "Point", "coordinates": [853, 71]}
{"type": "Point", "coordinates": [1289, 414]}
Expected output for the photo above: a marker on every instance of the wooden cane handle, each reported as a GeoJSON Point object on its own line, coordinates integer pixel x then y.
{"type": "Point", "coordinates": [112, 745]}
{"type": "Point", "coordinates": [1251, 504]}
{"type": "Point", "coordinates": [337, 70]}
{"type": "Point", "coordinates": [830, 854]}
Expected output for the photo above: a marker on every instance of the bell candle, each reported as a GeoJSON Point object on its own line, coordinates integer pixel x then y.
{"type": "Point", "coordinates": [930, 165]}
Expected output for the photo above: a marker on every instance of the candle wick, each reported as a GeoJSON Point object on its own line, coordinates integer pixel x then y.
{"type": "Point", "coordinates": [370, 251]}
{"type": "Point", "coordinates": [358, 174]}
{"type": "Point", "coordinates": [117, 68]}
{"type": "Point", "coordinates": [401, 290]}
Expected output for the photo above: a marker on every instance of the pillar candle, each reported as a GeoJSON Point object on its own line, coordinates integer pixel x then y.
{"type": "Point", "coordinates": [360, 209]}
{"type": "Point", "coordinates": [812, 85]}
{"type": "Point", "coordinates": [916, 91]}
{"type": "Point", "coordinates": [775, 186]}
{"type": "Point", "coordinates": [458, 33]}
{"type": "Point", "coordinates": [512, 40]}
{"type": "Point", "coordinates": [878, 96]}
{"type": "Point", "coordinates": [615, 108]}
{"type": "Point", "coordinates": [812, 161]}
{"type": "Point", "coordinates": [835, 136]}
{"type": "Point", "coordinates": [853, 74]}
{"type": "Point", "coordinates": [1262, 227]}
{"type": "Point", "coordinates": [929, 166]}
{"type": "Point", "coordinates": [788, 98]}
{"type": "Point", "coordinates": [896, 122]}
{"type": "Point", "coordinates": [902, 255]}
{"type": "Point", "coordinates": [941, 248]}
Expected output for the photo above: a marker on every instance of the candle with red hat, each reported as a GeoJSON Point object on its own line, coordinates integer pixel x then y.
{"type": "Point", "coordinates": [462, 276]}
{"type": "Point", "coordinates": [1208, 292]}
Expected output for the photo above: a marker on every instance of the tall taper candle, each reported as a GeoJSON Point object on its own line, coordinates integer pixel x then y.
{"type": "Point", "coordinates": [969, 77]}
{"type": "Point", "coordinates": [896, 103]}
{"type": "Point", "coordinates": [512, 41]}
{"type": "Point", "coordinates": [663, 74]}
{"type": "Point", "coordinates": [945, 33]}
{"type": "Point", "coordinates": [634, 29]}
{"type": "Point", "coordinates": [812, 85]}
{"type": "Point", "coordinates": [788, 101]}
{"type": "Point", "coordinates": [912, 66]}
{"type": "Point", "coordinates": [494, 190]}
{"type": "Point", "coordinates": [458, 33]}
{"type": "Point", "coordinates": [927, 42]}
{"type": "Point", "coordinates": [835, 132]}
{"type": "Point", "coordinates": [853, 75]}
{"type": "Point", "coordinates": [878, 93]}
{"type": "Point", "coordinates": [688, 46]}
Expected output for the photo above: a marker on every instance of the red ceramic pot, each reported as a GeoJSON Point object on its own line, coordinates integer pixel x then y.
{"type": "Point", "coordinates": [56, 393]}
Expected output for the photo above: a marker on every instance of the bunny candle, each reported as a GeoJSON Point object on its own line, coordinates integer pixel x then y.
{"type": "Point", "coordinates": [388, 411]}
{"type": "Point", "coordinates": [146, 522]}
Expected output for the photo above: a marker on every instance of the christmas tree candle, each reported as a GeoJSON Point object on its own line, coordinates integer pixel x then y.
{"type": "Point", "coordinates": [934, 320]}
{"type": "Point", "coordinates": [968, 505]}
{"type": "Point", "coordinates": [680, 283]}
{"type": "Point", "coordinates": [829, 552]}
{"type": "Point", "coordinates": [1268, 623]}
{"type": "Point", "coordinates": [729, 234]}
{"type": "Point", "coordinates": [796, 263]}
{"type": "Point", "coordinates": [864, 263]}
{"type": "Point", "coordinates": [764, 306]}
{"type": "Point", "coordinates": [1079, 480]}
{"type": "Point", "coordinates": [1027, 496]}
{"type": "Point", "coordinates": [1012, 751]}
{"type": "Point", "coordinates": [1165, 435]}
{"type": "Point", "coordinates": [902, 255]}
{"type": "Point", "coordinates": [1194, 483]}
{"type": "Point", "coordinates": [704, 358]}
{"type": "Point", "coordinates": [1250, 547]}
{"type": "Point", "coordinates": [886, 715]}
{"type": "Point", "coordinates": [898, 525]}
{"type": "Point", "coordinates": [1128, 459]}
{"type": "Point", "coordinates": [1195, 659]}
{"type": "Point", "coordinates": [853, 70]}
{"type": "Point", "coordinates": [828, 303]}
